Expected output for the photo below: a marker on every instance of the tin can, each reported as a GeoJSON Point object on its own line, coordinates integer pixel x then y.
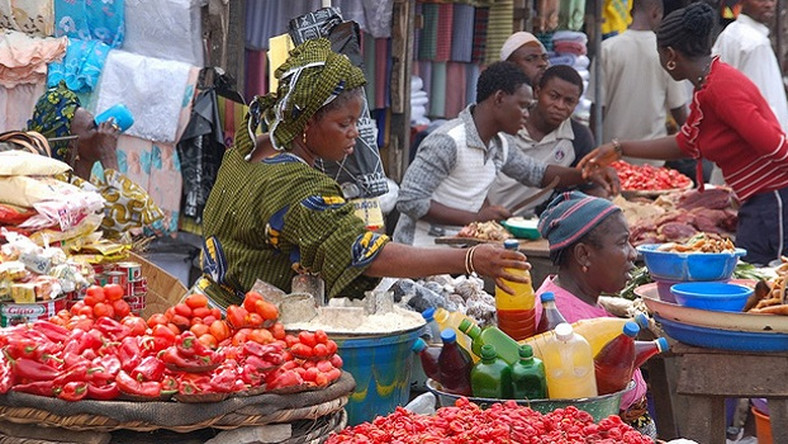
{"type": "Point", "coordinates": [136, 303]}
{"type": "Point", "coordinates": [140, 287]}
{"type": "Point", "coordinates": [133, 270]}
{"type": "Point", "coordinates": [117, 277]}
{"type": "Point", "coordinates": [101, 280]}
{"type": "Point", "coordinates": [13, 314]}
{"type": "Point", "coordinates": [128, 290]}
{"type": "Point", "coordinates": [100, 269]}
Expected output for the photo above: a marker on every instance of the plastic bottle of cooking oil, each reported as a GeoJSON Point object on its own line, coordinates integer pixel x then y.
{"type": "Point", "coordinates": [516, 315]}
{"type": "Point", "coordinates": [569, 365]}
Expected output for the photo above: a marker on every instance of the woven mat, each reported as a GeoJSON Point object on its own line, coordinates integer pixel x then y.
{"type": "Point", "coordinates": [23, 408]}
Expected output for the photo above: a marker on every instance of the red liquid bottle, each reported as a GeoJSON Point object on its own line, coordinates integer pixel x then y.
{"type": "Point", "coordinates": [647, 349]}
{"type": "Point", "coordinates": [428, 357]}
{"type": "Point", "coordinates": [551, 317]}
{"type": "Point", "coordinates": [516, 315]}
{"type": "Point", "coordinates": [455, 365]}
{"type": "Point", "coordinates": [615, 363]}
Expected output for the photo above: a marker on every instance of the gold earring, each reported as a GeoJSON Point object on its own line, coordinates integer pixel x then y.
{"type": "Point", "coordinates": [671, 65]}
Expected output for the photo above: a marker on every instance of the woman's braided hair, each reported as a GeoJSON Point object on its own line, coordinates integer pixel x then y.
{"type": "Point", "coordinates": [688, 30]}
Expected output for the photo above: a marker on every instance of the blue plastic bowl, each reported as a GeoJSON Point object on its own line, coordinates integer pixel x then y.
{"type": "Point", "coordinates": [668, 266]}
{"type": "Point", "coordinates": [715, 296]}
{"type": "Point", "coordinates": [724, 339]}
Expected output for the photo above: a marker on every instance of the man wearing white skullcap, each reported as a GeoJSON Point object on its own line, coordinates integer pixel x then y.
{"type": "Point", "coordinates": [526, 51]}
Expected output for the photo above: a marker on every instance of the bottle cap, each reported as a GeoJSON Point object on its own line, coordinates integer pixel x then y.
{"type": "Point", "coordinates": [547, 296]}
{"type": "Point", "coordinates": [419, 345]}
{"type": "Point", "coordinates": [564, 331]}
{"type": "Point", "coordinates": [663, 345]}
{"type": "Point", "coordinates": [428, 314]}
{"type": "Point", "coordinates": [488, 352]}
{"type": "Point", "coordinates": [465, 325]}
{"type": "Point", "coordinates": [525, 351]}
{"type": "Point", "coordinates": [631, 329]}
{"type": "Point", "coordinates": [642, 321]}
{"type": "Point", "coordinates": [448, 336]}
{"type": "Point", "coordinates": [511, 244]}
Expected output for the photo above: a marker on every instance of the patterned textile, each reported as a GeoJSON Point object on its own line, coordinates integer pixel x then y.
{"type": "Point", "coordinates": [52, 116]}
{"type": "Point", "coordinates": [500, 26]}
{"type": "Point", "coordinates": [84, 20]}
{"type": "Point", "coordinates": [33, 17]}
{"type": "Point", "coordinates": [462, 33]}
{"type": "Point", "coordinates": [438, 90]}
{"type": "Point", "coordinates": [480, 34]}
{"type": "Point", "coordinates": [616, 16]}
{"type": "Point", "coordinates": [570, 216]}
{"type": "Point", "coordinates": [444, 42]}
{"type": "Point", "coordinates": [308, 80]}
{"type": "Point", "coordinates": [571, 14]}
{"type": "Point", "coordinates": [23, 59]}
{"type": "Point", "coordinates": [81, 67]}
{"type": "Point", "coordinates": [428, 37]}
{"type": "Point", "coordinates": [455, 83]}
{"type": "Point", "coordinates": [268, 220]}
{"type": "Point", "coordinates": [170, 30]}
{"type": "Point", "coordinates": [17, 104]}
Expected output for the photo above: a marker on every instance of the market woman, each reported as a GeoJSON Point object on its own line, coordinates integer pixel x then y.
{"type": "Point", "coordinates": [271, 215]}
{"type": "Point", "coordinates": [730, 123]}
{"type": "Point", "coordinates": [589, 242]}
{"type": "Point", "coordinates": [58, 112]}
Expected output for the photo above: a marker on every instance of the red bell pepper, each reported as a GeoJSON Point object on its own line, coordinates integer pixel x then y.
{"type": "Point", "coordinates": [150, 368]}
{"type": "Point", "coordinates": [73, 391]}
{"type": "Point", "coordinates": [110, 366]}
{"type": "Point", "coordinates": [250, 375]}
{"type": "Point", "coordinates": [30, 370]}
{"type": "Point", "coordinates": [6, 375]}
{"type": "Point", "coordinates": [77, 373]}
{"type": "Point", "coordinates": [22, 347]}
{"type": "Point", "coordinates": [80, 341]}
{"type": "Point", "coordinates": [129, 385]}
{"type": "Point", "coordinates": [53, 332]}
{"type": "Point", "coordinates": [224, 381]}
{"type": "Point", "coordinates": [169, 383]}
{"type": "Point", "coordinates": [72, 360]}
{"type": "Point", "coordinates": [103, 392]}
{"type": "Point", "coordinates": [112, 328]}
{"type": "Point", "coordinates": [40, 388]}
{"type": "Point", "coordinates": [129, 354]}
{"type": "Point", "coordinates": [188, 345]}
{"type": "Point", "coordinates": [163, 337]}
{"type": "Point", "coordinates": [173, 357]}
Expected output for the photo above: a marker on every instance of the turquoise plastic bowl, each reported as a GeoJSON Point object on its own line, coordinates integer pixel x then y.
{"type": "Point", "coordinates": [715, 296]}
{"type": "Point", "coordinates": [668, 266]}
{"type": "Point", "coordinates": [521, 232]}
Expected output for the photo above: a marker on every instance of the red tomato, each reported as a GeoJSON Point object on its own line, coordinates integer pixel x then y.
{"type": "Point", "coordinates": [254, 320]}
{"type": "Point", "coordinates": [103, 309]}
{"type": "Point", "coordinates": [157, 318]}
{"type": "Point", "coordinates": [250, 299]}
{"type": "Point", "coordinates": [183, 310]}
{"type": "Point", "coordinates": [278, 330]}
{"type": "Point", "coordinates": [136, 324]}
{"type": "Point", "coordinates": [320, 350]}
{"type": "Point", "coordinates": [208, 340]}
{"type": "Point", "coordinates": [121, 308]}
{"type": "Point", "coordinates": [113, 292]}
{"type": "Point", "coordinates": [307, 338]}
{"type": "Point", "coordinates": [321, 337]}
{"type": "Point", "coordinates": [220, 330]}
{"type": "Point", "coordinates": [261, 336]}
{"type": "Point", "coordinates": [201, 312]}
{"type": "Point", "coordinates": [196, 300]}
{"type": "Point", "coordinates": [236, 316]}
{"type": "Point", "coordinates": [93, 295]}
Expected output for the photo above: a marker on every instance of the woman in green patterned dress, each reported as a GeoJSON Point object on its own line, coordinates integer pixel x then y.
{"type": "Point", "coordinates": [272, 215]}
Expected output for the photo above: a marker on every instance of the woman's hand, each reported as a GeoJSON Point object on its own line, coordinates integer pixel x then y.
{"type": "Point", "coordinates": [598, 159]}
{"type": "Point", "coordinates": [493, 260]}
{"type": "Point", "coordinates": [493, 212]}
{"type": "Point", "coordinates": [104, 145]}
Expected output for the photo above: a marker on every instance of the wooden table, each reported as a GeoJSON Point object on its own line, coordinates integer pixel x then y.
{"type": "Point", "coordinates": [704, 377]}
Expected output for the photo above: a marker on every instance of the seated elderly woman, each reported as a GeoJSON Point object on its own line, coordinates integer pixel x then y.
{"type": "Point", "coordinates": [59, 113]}
{"type": "Point", "coordinates": [272, 215]}
{"type": "Point", "coordinates": [589, 242]}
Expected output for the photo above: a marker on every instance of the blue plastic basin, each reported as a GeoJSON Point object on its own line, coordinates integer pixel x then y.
{"type": "Point", "coordinates": [381, 366]}
{"type": "Point", "coordinates": [715, 296]}
{"type": "Point", "coordinates": [724, 339]}
{"type": "Point", "coordinates": [668, 266]}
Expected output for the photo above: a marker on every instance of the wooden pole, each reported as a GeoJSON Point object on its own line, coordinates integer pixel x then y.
{"type": "Point", "coordinates": [395, 155]}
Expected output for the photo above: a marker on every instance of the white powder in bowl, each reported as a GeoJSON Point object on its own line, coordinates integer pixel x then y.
{"type": "Point", "coordinates": [353, 320]}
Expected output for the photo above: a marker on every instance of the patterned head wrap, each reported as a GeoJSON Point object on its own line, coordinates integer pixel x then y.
{"type": "Point", "coordinates": [53, 114]}
{"type": "Point", "coordinates": [570, 216]}
{"type": "Point", "coordinates": [311, 78]}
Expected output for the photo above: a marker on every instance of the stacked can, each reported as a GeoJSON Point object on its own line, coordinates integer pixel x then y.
{"type": "Point", "coordinates": [135, 285]}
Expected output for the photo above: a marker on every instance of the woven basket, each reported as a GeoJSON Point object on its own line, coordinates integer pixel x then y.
{"type": "Point", "coordinates": [22, 408]}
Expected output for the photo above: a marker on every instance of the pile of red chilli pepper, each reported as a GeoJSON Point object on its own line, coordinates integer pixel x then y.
{"type": "Point", "coordinates": [78, 355]}
{"type": "Point", "coordinates": [648, 177]}
{"type": "Point", "coordinates": [505, 422]}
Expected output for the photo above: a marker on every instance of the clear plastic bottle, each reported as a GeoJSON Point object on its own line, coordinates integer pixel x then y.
{"type": "Point", "coordinates": [551, 317]}
{"type": "Point", "coordinates": [491, 377]}
{"type": "Point", "coordinates": [429, 358]}
{"type": "Point", "coordinates": [504, 345]}
{"type": "Point", "coordinates": [647, 349]}
{"type": "Point", "coordinates": [528, 376]}
{"type": "Point", "coordinates": [615, 363]}
{"type": "Point", "coordinates": [516, 316]}
{"type": "Point", "coordinates": [452, 319]}
{"type": "Point", "coordinates": [569, 365]}
{"type": "Point", "coordinates": [432, 330]}
{"type": "Point", "coordinates": [455, 365]}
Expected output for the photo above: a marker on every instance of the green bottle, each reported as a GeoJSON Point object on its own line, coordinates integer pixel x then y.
{"type": "Point", "coordinates": [528, 376]}
{"type": "Point", "coordinates": [491, 377]}
{"type": "Point", "coordinates": [503, 343]}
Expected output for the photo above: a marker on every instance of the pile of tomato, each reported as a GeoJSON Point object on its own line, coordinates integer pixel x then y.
{"type": "Point", "coordinates": [504, 422]}
{"type": "Point", "coordinates": [648, 177]}
{"type": "Point", "coordinates": [92, 352]}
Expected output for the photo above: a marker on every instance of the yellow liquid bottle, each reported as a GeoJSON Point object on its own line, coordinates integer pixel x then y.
{"type": "Point", "coordinates": [452, 319]}
{"type": "Point", "coordinates": [569, 365]}
{"type": "Point", "coordinates": [598, 332]}
{"type": "Point", "coordinates": [516, 314]}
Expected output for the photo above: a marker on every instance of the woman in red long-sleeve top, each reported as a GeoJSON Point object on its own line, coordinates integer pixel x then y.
{"type": "Point", "coordinates": [730, 123]}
